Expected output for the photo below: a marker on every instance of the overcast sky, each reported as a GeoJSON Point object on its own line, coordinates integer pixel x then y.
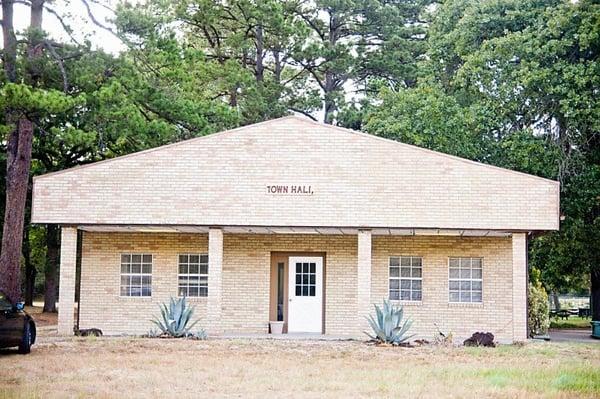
{"type": "Point", "coordinates": [74, 12]}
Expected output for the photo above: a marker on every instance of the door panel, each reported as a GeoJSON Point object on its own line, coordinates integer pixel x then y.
{"type": "Point", "coordinates": [305, 310]}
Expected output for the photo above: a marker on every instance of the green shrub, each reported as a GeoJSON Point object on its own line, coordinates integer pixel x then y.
{"type": "Point", "coordinates": [538, 319]}
{"type": "Point", "coordinates": [387, 326]}
{"type": "Point", "coordinates": [175, 318]}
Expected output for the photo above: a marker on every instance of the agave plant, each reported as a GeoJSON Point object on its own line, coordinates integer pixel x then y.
{"type": "Point", "coordinates": [175, 318]}
{"type": "Point", "coordinates": [388, 327]}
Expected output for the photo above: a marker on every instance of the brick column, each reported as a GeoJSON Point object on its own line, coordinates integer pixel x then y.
{"type": "Point", "coordinates": [66, 293]}
{"type": "Point", "coordinates": [364, 277]}
{"type": "Point", "coordinates": [519, 289]}
{"type": "Point", "coordinates": [215, 280]}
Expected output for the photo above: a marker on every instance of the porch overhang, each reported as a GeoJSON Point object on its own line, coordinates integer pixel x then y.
{"type": "Point", "coordinates": [376, 231]}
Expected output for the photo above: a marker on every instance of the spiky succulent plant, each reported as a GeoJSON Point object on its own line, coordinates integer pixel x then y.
{"type": "Point", "coordinates": [175, 318]}
{"type": "Point", "coordinates": [388, 326]}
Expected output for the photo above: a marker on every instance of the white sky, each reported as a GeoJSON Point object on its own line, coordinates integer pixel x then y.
{"type": "Point", "coordinates": [75, 15]}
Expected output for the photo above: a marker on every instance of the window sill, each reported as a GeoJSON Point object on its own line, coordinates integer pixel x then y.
{"type": "Point", "coordinates": [194, 298]}
{"type": "Point", "coordinates": [130, 298]}
{"type": "Point", "coordinates": [406, 303]}
{"type": "Point", "coordinates": [465, 304]}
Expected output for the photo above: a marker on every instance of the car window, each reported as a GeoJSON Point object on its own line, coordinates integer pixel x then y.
{"type": "Point", "coordinates": [4, 302]}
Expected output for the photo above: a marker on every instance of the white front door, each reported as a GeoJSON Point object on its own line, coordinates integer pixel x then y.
{"type": "Point", "coordinates": [305, 310]}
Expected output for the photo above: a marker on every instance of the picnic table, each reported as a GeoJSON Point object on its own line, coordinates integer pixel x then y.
{"type": "Point", "coordinates": [566, 313]}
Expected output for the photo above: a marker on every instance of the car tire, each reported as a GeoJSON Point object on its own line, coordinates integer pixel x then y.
{"type": "Point", "coordinates": [27, 339]}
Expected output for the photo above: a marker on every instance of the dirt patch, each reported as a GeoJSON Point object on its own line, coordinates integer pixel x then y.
{"type": "Point", "coordinates": [109, 367]}
{"type": "Point", "coordinates": [42, 319]}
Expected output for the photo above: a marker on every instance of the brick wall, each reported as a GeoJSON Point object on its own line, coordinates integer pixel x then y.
{"type": "Point", "coordinates": [494, 314]}
{"type": "Point", "coordinates": [245, 277]}
{"type": "Point", "coordinates": [357, 180]}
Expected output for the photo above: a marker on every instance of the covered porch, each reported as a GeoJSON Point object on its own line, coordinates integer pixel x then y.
{"type": "Point", "coordinates": [245, 288]}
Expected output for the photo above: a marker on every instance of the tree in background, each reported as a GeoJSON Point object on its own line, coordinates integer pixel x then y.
{"type": "Point", "coordinates": [523, 76]}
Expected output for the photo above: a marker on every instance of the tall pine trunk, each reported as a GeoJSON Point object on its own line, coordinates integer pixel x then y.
{"type": "Point", "coordinates": [18, 156]}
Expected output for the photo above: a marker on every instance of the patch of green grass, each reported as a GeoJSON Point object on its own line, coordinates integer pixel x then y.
{"type": "Point", "coordinates": [571, 322]}
{"type": "Point", "coordinates": [576, 379]}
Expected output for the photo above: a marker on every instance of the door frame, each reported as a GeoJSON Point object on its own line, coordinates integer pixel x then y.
{"type": "Point", "coordinates": [284, 256]}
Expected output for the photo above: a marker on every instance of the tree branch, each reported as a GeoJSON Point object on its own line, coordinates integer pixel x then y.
{"type": "Point", "coordinates": [60, 63]}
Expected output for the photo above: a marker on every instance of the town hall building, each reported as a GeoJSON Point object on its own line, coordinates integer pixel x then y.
{"type": "Point", "coordinates": [299, 222]}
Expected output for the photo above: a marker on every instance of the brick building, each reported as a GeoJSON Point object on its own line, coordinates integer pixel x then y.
{"type": "Point", "coordinates": [296, 221]}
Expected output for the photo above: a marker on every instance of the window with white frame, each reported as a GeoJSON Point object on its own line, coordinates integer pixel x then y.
{"type": "Point", "coordinates": [136, 275]}
{"type": "Point", "coordinates": [406, 278]}
{"type": "Point", "coordinates": [193, 275]}
{"type": "Point", "coordinates": [465, 280]}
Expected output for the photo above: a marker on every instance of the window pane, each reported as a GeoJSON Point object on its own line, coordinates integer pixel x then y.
{"type": "Point", "coordinates": [416, 285]}
{"type": "Point", "coordinates": [298, 267]}
{"type": "Point", "coordinates": [312, 268]}
{"type": "Point", "coordinates": [476, 297]}
{"type": "Point", "coordinates": [125, 258]}
{"type": "Point", "coordinates": [193, 291]}
{"type": "Point", "coordinates": [136, 268]}
{"type": "Point", "coordinates": [298, 279]}
{"type": "Point", "coordinates": [203, 269]}
{"type": "Point", "coordinates": [404, 261]}
{"type": "Point", "coordinates": [405, 272]}
{"type": "Point", "coordinates": [465, 273]}
{"type": "Point", "coordinates": [465, 296]}
{"type": "Point", "coordinates": [394, 284]}
{"type": "Point", "coordinates": [476, 263]}
{"type": "Point", "coordinates": [305, 279]}
{"type": "Point", "coordinates": [136, 258]}
{"type": "Point", "coordinates": [136, 280]}
{"type": "Point", "coordinates": [203, 258]}
{"type": "Point", "coordinates": [147, 258]}
{"type": "Point", "coordinates": [183, 269]}
{"type": "Point", "coordinates": [454, 273]}
{"type": "Point", "coordinates": [394, 272]}
{"type": "Point", "coordinates": [146, 291]}
{"type": "Point", "coordinates": [476, 273]}
{"type": "Point", "coordinates": [312, 290]}
{"type": "Point", "coordinates": [454, 285]}
{"type": "Point", "coordinates": [465, 285]}
{"type": "Point", "coordinates": [124, 268]}
{"type": "Point", "coordinates": [124, 291]}
{"type": "Point", "coordinates": [203, 279]}
{"type": "Point", "coordinates": [194, 258]}
{"type": "Point", "coordinates": [453, 262]}
{"type": "Point", "coordinates": [313, 278]}
{"type": "Point", "coordinates": [394, 295]}
{"type": "Point", "coordinates": [298, 290]}
{"type": "Point", "coordinates": [305, 268]}
{"type": "Point", "coordinates": [203, 291]}
{"type": "Point", "coordinates": [405, 295]}
{"type": "Point", "coordinates": [182, 291]}
{"type": "Point", "coordinates": [416, 295]}
{"type": "Point", "coordinates": [146, 280]}
{"type": "Point", "coordinates": [305, 291]}
{"type": "Point", "coordinates": [147, 269]}
{"type": "Point", "coordinates": [416, 261]}
{"type": "Point", "coordinates": [394, 261]}
{"type": "Point", "coordinates": [405, 284]}
{"type": "Point", "coordinates": [416, 272]}
{"type": "Point", "coordinates": [476, 285]}
{"type": "Point", "coordinates": [465, 263]}
{"type": "Point", "coordinates": [454, 296]}
{"type": "Point", "coordinates": [194, 268]}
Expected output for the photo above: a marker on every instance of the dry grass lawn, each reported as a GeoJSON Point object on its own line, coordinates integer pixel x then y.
{"type": "Point", "coordinates": [130, 367]}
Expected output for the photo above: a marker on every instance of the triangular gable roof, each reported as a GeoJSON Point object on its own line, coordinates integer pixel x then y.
{"type": "Point", "coordinates": [355, 180]}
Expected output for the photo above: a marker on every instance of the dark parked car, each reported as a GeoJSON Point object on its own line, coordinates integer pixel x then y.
{"type": "Point", "coordinates": [17, 328]}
